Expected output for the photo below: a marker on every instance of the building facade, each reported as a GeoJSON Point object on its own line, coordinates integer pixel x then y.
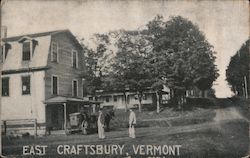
{"type": "Point", "coordinates": [40, 72]}
{"type": "Point", "coordinates": [130, 99]}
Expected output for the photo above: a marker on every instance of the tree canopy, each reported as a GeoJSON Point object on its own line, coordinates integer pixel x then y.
{"type": "Point", "coordinates": [174, 53]}
{"type": "Point", "coordinates": [237, 73]}
{"type": "Point", "coordinates": [181, 54]}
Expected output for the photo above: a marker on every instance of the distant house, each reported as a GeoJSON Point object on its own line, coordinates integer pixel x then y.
{"type": "Point", "coordinates": [41, 78]}
{"type": "Point", "coordinates": [119, 100]}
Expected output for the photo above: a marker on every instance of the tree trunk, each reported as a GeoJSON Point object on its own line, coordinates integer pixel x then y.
{"type": "Point", "coordinates": [140, 99]}
{"type": "Point", "coordinates": [246, 89]}
{"type": "Point", "coordinates": [243, 89]}
{"type": "Point", "coordinates": [202, 93]}
{"type": "Point", "coordinates": [126, 103]}
{"type": "Point", "coordinates": [171, 94]}
{"type": "Point", "coordinates": [157, 102]}
{"type": "Point", "coordinates": [175, 98]}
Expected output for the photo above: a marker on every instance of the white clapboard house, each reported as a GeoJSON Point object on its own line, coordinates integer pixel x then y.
{"type": "Point", "coordinates": [41, 81]}
{"type": "Point", "coordinates": [129, 99]}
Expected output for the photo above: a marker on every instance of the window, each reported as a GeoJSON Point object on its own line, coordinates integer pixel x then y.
{"type": "Point", "coordinates": [115, 98]}
{"type": "Point", "coordinates": [107, 99]}
{"type": "Point", "coordinates": [90, 98]}
{"type": "Point", "coordinates": [54, 85]}
{"type": "Point", "coordinates": [54, 52]}
{"type": "Point", "coordinates": [74, 59]}
{"type": "Point", "coordinates": [25, 85]}
{"type": "Point", "coordinates": [144, 97]}
{"type": "Point", "coordinates": [74, 88]}
{"type": "Point", "coordinates": [26, 51]}
{"type": "Point", "coordinates": [5, 86]}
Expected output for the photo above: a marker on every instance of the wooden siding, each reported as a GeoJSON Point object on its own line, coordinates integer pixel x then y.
{"type": "Point", "coordinates": [64, 69]}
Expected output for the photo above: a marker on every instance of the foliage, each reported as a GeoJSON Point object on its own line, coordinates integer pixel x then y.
{"type": "Point", "coordinates": [238, 68]}
{"type": "Point", "coordinates": [95, 64]}
{"type": "Point", "coordinates": [174, 53]}
{"type": "Point", "coordinates": [181, 55]}
{"type": "Point", "coordinates": [130, 68]}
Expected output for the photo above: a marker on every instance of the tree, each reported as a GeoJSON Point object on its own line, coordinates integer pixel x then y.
{"type": "Point", "coordinates": [131, 69]}
{"type": "Point", "coordinates": [96, 64]}
{"type": "Point", "coordinates": [181, 54]}
{"type": "Point", "coordinates": [172, 53]}
{"type": "Point", "coordinates": [237, 73]}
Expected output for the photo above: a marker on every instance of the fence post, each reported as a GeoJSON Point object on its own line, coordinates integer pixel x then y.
{"type": "Point", "coordinates": [35, 127]}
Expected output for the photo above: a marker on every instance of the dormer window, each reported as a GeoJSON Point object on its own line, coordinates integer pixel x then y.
{"type": "Point", "coordinates": [28, 47]}
{"type": "Point", "coordinates": [26, 51]}
{"type": "Point", "coordinates": [54, 52]}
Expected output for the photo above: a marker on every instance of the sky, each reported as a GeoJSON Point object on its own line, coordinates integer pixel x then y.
{"type": "Point", "coordinates": [225, 23]}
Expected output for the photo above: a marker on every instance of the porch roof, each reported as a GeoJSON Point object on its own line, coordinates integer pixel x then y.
{"type": "Point", "coordinates": [65, 99]}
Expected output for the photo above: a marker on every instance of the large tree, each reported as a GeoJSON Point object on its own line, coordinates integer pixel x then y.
{"type": "Point", "coordinates": [237, 73]}
{"type": "Point", "coordinates": [182, 55]}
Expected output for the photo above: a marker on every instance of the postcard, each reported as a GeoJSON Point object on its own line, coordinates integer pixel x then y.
{"type": "Point", "coordinates": [125, 79]}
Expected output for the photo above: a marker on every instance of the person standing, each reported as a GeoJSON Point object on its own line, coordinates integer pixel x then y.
{"type": "Point", "coordinates": [100, 124]}
{"type": "Point", "coordinates": [132, 122]}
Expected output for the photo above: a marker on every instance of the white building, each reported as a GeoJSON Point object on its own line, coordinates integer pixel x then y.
{"type": "Point", "coordinates": [41, 80]}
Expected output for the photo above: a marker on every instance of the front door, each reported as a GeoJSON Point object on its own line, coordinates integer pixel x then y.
{"type": "Point", "coordinates": [55, 117]}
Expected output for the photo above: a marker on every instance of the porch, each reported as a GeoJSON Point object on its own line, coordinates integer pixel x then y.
{"type": "Point", "coordinates": [58, 109]}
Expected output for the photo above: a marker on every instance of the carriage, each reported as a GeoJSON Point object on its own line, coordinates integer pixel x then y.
{"type": "Point", "coordinates": [81, 123]}
{"type": "Point", "coordinates": [85, 121]}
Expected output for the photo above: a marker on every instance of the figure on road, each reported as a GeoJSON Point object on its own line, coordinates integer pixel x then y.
{"type": "Point", "coordinates": [132, 122]}
{"type": "Point", "coordinates": [100, 124]}
{"type": "Point", "coordinates": [108, 117]}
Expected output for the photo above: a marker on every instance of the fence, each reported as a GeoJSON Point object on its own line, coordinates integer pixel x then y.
{"type": "Point", "coordinates": [19, 127]}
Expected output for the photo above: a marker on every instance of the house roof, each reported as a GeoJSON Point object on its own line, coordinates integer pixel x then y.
{"type": "Point", "coordinates": [41, 34]}
{"type": "Point", "coordinates": [13, 63]}
{"type": "Point", "coordinates": [34, 35]}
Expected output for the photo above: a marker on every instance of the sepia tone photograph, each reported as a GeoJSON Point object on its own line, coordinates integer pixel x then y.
{"type": "Point", "coordinates": [125, 78]}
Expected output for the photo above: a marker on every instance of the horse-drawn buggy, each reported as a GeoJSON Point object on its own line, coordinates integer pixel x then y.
{"type": "Point", "coordinates": [81, 122]}
{"type": "Point", "coordinates": [85, 121]}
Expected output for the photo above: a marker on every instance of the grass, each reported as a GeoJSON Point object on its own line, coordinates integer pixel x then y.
{"type": "Point", "coordinates": [168, 117]}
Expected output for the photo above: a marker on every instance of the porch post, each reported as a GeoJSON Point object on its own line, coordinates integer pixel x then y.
{"type": "Point", "coordinates": [65, 115]}
{"type": "Point", "coordinates": [94, 105]}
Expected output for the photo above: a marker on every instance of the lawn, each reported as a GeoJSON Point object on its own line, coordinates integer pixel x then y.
{"type": "Point", "coordinates": [168, 117]}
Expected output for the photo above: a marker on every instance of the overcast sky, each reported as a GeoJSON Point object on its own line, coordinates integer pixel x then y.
{"type": "Point", "coordinates": [225, 23]}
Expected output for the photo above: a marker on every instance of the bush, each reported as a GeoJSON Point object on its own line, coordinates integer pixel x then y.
{"type": "Point", "coordinates": [26, 134]}
{"type": "Point", "coordinates": [200, 102]}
